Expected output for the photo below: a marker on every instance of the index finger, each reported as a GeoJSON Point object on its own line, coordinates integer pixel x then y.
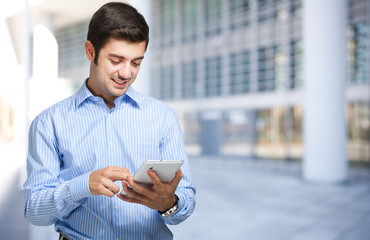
{"type": "Point", "coordinates": [116, 173]}
{"type": "Point", "coordinates": [117, 169]}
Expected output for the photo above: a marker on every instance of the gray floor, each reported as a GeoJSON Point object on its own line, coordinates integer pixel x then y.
{"type": "Point", "coordinates": [237, 199]}
{"type": "Point", "coordinates": [248, 199]}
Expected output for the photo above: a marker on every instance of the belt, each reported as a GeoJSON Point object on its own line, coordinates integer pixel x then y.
{"type": "Point", "coordinates": [63, 237]}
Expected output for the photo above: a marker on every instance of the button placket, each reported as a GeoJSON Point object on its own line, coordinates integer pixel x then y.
{"type": "Point", "coordinates": [109, 129]}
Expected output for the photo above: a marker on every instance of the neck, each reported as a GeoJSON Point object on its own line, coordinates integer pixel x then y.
{"type": "Point", "coordinates": [109, 101]}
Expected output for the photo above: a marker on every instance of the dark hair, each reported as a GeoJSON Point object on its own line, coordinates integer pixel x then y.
{"type": "Point", "coordinates": [116, 20]}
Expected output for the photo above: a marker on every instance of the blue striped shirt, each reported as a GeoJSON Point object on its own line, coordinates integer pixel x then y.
{"type": "Point", "coordinates": [79, 135]}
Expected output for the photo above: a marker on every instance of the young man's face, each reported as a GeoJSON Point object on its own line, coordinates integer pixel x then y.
{"type": "Point", "coordinates": [117, 67]}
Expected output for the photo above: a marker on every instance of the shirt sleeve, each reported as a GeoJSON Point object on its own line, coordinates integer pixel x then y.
{"type": "Point", "coordinates": [173, 147]}
{"type": "Point", "coordinates": [47, 198]}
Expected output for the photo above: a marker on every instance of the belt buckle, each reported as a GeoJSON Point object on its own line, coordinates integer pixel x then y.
{"type": "Point", "coordinates": [62, 237]}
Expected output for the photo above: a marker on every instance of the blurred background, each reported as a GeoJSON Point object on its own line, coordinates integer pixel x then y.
{"type": "Point", "coordinates": [274, 94]}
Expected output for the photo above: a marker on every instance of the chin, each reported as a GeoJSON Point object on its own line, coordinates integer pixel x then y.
{"type": "Point", "coordinates": [120, 92]}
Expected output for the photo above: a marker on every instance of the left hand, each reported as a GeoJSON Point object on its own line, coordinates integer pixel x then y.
{"type": "Point", "coordinates": [160, 196]}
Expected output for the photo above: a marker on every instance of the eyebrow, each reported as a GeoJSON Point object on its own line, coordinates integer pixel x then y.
{"type": "Point", "coordinates": [121, 57]}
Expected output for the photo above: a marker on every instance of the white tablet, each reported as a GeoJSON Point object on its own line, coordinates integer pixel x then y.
{"type": "Point", "coordinates": [165, 170]}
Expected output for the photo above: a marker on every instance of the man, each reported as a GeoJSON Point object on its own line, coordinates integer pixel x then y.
{"type": "Point", "coordinates": [83, 150]}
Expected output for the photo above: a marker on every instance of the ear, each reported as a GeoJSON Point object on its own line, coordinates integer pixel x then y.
{"type": "Point", "coordinates": [90, 51]}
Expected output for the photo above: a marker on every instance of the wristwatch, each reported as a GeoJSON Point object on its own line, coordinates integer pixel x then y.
{"type": "Point", "coordinates": [171, 211]}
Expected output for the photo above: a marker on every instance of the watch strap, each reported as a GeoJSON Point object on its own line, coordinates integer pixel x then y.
{"type": "Point", "coordinates": [171, 211]}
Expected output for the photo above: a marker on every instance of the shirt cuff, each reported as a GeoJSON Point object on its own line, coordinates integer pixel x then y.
{"type": "Point", "coordinates": [180, 203]}
{"type": "Point", "coordinates": [79, 187]}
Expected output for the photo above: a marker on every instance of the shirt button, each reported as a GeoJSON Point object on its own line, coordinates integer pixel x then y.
{"type": "Point", "coordinates": [111, 144]}
{"type": "Point", "coordinates": [96, 99]}
{"type": "Point", "coordinates": [116, 207]}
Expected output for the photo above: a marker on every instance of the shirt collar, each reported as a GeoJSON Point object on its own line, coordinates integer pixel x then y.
{"type": "Point", "coordinates": [135, 96]}
{"type": "Point", "coordinates": [84, 93]}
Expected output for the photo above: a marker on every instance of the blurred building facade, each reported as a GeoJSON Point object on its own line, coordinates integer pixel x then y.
{"type": "Point", "coordinates": [232, 70]}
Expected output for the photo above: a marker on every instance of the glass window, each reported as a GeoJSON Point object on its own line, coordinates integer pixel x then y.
{"type": "Point", "coordinates": [358, 124]}
{"type": "Point", "coordinates": [262, 10]}
{"type": "Point", "coordinates": [237, 137]}
{"type": "Point", "coordinates": [279, 133]}
{"type": "Point", "coordinates": [269, 133]}
{"type": "Point", "coordinates": [272, 65]}
{"type": "Point", "coordinates": [295, 131]}
{"type": "Point", "coordinates": [167, 19]}
{"type": "Point", "coordinates": [167, 82]}
{"type": "Point", "coordinates": [192, 131]}
{"type": "Point", "coordinates": [189, 76]}
{"type": "Point", "coordinates": [213, 15]}
{"type": "Point", "coordinates": [71, 42]}
{"type": "Point", "coordinates": [280, 68]}
{"type": "Point", "coordinates": [296, 74]}
{"type": "Point", "coordinates": [213, 77]}
{"type": "Point", "coordinates": [268, 9]}
{"type": "Point", "coordinates": [359, 53]}
{"type": "Point", "coordinates": [297, 124]}
{"type": "Point", "coordinates": [239, 73]}
{"type": "Point", "coordinates": [189, 20]}
{"type": "Point", "coordinates": [296, 7]}
{"type": "Point", "coordinates": [71, 52]}
{"type": "Point", "coordinates": [156, 84]}
{"type": "Point", "coordinates": [266, 69]}
{"type": "Point", "coordinates": [239, 13]}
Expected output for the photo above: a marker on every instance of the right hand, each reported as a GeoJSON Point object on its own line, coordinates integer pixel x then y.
{"type": "Point", "coordinates": [101, 182]}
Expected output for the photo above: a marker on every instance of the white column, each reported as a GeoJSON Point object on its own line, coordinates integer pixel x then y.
{"type": "Point", "coordinates": [26, 44]}
{"type": "Point", "coordinates": [43, 89]}
{"type": "Point", "coordinates": [324, 49]}
{"type": "Point", "coordinates": [142, 83]}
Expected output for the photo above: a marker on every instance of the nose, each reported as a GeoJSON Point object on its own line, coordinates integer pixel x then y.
{"type": "Point", "coordinates": [124, 71]}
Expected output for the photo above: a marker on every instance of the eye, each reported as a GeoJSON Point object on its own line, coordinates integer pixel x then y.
{"type": "Point", "coordinates": [136, 64]}
{"type": "Point", "coordinates": [115, 62]}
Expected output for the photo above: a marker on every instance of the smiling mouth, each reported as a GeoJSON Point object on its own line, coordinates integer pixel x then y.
{"type": "Point", "coordinates": [119, 81]}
